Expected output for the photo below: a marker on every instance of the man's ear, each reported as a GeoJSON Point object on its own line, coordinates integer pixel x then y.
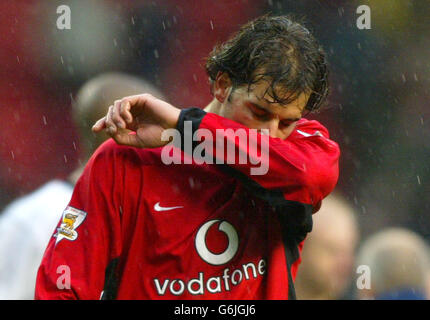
{"type": "Point", "coordinates": [222, 86]}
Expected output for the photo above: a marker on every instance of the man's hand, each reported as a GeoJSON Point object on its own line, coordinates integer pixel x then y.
{"type": "Point", "coordinates": [143, 114]}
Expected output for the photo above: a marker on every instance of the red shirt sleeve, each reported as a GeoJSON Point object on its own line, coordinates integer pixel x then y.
{"type": "Point", "coordinates": [303, 168]}
{"type": "Point", "coordinates": [88, 237]}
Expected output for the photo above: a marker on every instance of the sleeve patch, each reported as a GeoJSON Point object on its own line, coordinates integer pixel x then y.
{"type": "Point", "coordinates": [70, 221]}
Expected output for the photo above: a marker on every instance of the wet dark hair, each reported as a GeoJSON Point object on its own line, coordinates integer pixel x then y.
{"type": "Point", "coordinates": [276, 49]}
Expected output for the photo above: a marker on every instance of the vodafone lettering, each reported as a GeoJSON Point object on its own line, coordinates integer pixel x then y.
{"type": "Point", "coordinates": [200, 285]}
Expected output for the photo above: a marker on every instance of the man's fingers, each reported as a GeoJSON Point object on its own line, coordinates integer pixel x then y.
{"type": "Point", "coordinates": [99, 125]}
{"type": "Point", "coordinates": [125, 111]}
{"type": "Point", "coordinates": [116, 116]}
{"type": "Point", "coordinates": [125, 137]}
{"type": "Point", "coordinates": [110, 125]}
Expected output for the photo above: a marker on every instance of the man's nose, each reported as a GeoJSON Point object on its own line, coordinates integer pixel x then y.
{"type": "Point", "coordinates": [273, 127]}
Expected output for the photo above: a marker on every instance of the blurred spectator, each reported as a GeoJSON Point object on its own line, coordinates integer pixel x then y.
{"type": "Point", "coordinates": [398, 260]}
{"type": "Point", "coordinates": [27, 223]}
{"type": "Point", "coordinates": [328, 254]}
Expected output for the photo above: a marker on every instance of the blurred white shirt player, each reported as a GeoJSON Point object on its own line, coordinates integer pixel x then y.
{"type": "Point", "coordinates": [27, 223]}
{"type": "Point", "coordinates": [25, 228]}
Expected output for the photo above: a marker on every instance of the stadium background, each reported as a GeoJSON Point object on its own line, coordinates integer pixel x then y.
{"type": "Point", "coordinates": [378, 110]}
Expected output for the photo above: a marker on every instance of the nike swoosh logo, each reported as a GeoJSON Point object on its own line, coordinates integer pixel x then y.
{"type": "Point", "coordinates": [157, 207]}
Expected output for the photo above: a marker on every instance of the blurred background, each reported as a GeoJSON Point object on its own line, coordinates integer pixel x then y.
{"type": "Point", "coordinates": [378, 110]}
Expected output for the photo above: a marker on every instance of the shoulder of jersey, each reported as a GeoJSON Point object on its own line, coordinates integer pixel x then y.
{"type": "Point", "coordinates": [111, 149]}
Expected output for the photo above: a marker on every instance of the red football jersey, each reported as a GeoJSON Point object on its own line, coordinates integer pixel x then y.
{"type": "Point", "coordinates": [136, 228]}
